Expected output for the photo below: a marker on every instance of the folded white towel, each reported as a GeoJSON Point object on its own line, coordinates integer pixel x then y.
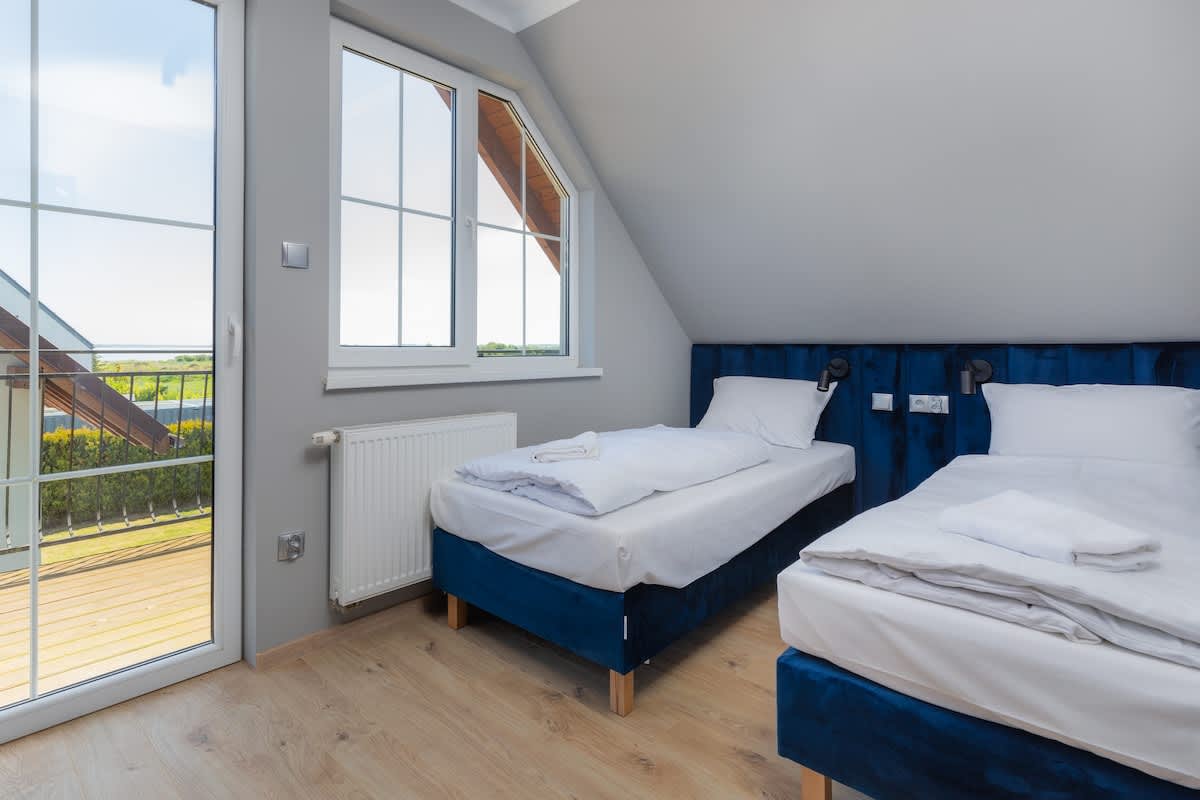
{"type": "Point", "coordinates": [585, 445]}
{"type": "Point", "coordinates": [1037, 527]}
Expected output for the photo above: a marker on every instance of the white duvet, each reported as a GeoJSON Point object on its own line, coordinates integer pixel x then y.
{"type": "Point", "coordinates": [631, 465]}
{"type": "Point", "coordinates": [899, 547]}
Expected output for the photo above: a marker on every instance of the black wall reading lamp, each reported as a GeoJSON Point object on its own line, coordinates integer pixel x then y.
{"type": "Point", "coordinates": [975, 372]}
{"type": "Point", "coordinates": [836, 369]}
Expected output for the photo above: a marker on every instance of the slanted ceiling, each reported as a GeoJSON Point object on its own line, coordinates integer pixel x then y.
{"type": "Point", "coordinates": [928, 170]}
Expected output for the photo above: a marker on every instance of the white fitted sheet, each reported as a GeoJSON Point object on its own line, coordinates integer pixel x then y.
{"type": "Point", "coordinates": [1134, 709]}
{"type": "Point", "coordinates": [669, 538]}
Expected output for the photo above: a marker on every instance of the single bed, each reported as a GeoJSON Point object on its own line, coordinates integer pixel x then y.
{"type": "Point", "coordinates": [902, 697]}
{"type": "Point", "coordinates": [668, 539]}
{"type": "Point", "coordinates": [619, 587]}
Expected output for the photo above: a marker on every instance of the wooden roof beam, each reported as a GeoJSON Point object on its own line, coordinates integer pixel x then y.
{"type": "Point", "coordinates": [71, 388]}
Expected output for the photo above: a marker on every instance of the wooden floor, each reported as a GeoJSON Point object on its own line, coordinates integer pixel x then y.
{"type": "Point", "coordinates": [396, 705]}
{"type": "Point", "coordinates": [105, 612]}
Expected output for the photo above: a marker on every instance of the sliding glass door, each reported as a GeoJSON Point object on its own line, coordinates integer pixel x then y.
{"type": "Point", "coordinates": [120, 362]}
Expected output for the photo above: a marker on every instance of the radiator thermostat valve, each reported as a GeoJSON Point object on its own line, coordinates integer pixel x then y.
{"type": "Point", "coordinates": [325, 438]}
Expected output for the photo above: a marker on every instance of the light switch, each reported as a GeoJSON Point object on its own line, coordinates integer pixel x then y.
{"type": "Point", "coordinates": [881, 401]}
{"type": "Point", "coordinates": [295, 255]}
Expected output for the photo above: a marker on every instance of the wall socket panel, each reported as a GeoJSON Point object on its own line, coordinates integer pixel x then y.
{"type": "Point", "coordinates": [929, 404]}
{"type": "Point", "coordinates": [290, 546]}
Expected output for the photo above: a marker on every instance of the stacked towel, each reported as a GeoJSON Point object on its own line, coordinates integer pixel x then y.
{"type": "Point", "coordinates": [585, 445]}
{"type": "Point", "coordinates": [1043, 529]}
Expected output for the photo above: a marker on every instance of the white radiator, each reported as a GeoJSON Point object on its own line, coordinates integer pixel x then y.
{"type": "Point", "coordinates": [380, 477]}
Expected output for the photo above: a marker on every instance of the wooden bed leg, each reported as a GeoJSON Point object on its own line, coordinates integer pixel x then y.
{"type": "Point", "coordinates": [814, 785]}
{"type": "Point", "coordinates": [620, 692]}
{"type": "Point", "coordinates": [456, 611]}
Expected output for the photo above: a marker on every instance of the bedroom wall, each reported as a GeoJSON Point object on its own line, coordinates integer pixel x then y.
{"type": "Point", "coordinates": [918, 171]}
{"type": "Point", "coordinates": [635, 336]}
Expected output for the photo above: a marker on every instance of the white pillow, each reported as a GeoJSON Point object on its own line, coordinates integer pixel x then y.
{"type": "Point", "coordinates": [1159, 424]}
{"type": "Point", "coordinates": [776, 410]}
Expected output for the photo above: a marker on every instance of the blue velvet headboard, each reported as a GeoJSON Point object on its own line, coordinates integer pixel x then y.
{"type": "Point", "coordinates": [897, 450]}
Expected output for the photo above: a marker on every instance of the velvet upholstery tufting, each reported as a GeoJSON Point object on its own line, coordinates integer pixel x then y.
{"type": "Point", "coordinates": [897, 450]}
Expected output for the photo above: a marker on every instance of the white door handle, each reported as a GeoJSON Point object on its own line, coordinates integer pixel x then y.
{"type": "Point", "coordinates": [234, 329]}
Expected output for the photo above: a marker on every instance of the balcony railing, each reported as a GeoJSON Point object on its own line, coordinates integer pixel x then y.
{"type": "Point", "coordinates": [109, 462]}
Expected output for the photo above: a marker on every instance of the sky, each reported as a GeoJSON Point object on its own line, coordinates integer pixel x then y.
{"type": "Point", "coordinates": [126, 126]}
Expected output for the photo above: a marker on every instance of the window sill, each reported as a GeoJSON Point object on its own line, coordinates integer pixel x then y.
{"type": "Point", "coordinates": [339, 379]}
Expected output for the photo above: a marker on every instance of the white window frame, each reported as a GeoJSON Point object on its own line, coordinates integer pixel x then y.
{"type": "Point", "coordinates": [359, 367]}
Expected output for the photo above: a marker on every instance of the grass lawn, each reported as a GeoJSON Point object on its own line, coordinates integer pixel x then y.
{"type": "Point", "coordinates": [144, 386]}
{"type": "Point", "coordinates": [187, 525]}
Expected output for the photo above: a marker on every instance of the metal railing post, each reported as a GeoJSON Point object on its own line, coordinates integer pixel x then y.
{"type": "Point", "coordinates": [100, 463]}
{"type": "Point", "coordinates": [204, 438]}
{"type": "Point", "coordinates": [178, 443]}
{"type": "Point", "coordinates": [71, 451]}
{"type": "Point", "coordinates": [125, 454]}
{"type": "Point", "coordinates": [153, 455]}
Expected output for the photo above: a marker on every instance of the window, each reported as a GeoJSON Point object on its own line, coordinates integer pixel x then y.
{"type": "Point", "coordinates": [522, 211]}
{"type": "Point", "coordinates": [454, 253]}
{"type": "Point", "coordinates": [397, 208]}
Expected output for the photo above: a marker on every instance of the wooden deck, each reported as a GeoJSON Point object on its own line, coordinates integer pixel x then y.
{"type": "Point", "coordinates": [105, 612]}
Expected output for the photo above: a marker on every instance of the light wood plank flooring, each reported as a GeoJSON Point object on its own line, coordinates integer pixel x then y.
{"type": "Point", "coordinates": [105, 612]}
{"type": "Point", "coordinates": [396, 705]}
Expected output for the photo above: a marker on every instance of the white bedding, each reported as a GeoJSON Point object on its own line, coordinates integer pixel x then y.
{"type": "Point", "coordinates": [1125, 706]}
{"type": "Point", "coordinates": [630, 464]}
{"type": "Point", "coordinates": [1139, 711]}
{"type": "Point", "coordinates": [1156, 611]}
{"type": "Point", "coordinates": [670, 538]}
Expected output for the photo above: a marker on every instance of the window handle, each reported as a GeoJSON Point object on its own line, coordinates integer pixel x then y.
{"type": "Point", "coordinates": [473, 228]}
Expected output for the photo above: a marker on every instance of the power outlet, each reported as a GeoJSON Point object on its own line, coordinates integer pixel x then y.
{"type": "Point", "coordinates": [928, 404]}
{"type": "Point", "coordinates": [290, 546]}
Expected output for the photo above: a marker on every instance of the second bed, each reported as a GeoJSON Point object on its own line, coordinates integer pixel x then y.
{"type": "Point", "coordinates": [619, 587]}
{"type": "Point", "coordinates": [1137, 713]}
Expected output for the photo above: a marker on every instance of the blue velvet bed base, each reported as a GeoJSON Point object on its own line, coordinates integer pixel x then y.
{"type": "Point", "coordinates": [592, 622]}
{"type": "Point", "coordinates": [894, 747]}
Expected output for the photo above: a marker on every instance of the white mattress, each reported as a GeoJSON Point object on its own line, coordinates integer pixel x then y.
{"type": "Point", "coordinates": [1137, 710]}
{"type": "Point", "coordinates": [670, 538]}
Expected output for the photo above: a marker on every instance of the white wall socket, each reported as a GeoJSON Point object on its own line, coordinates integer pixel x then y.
{"type": "Point", "coordinates": [929, 404]}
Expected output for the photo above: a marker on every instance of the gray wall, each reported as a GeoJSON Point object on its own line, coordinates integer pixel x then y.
{"type": "Point", "coordinates": [637, 339]}
{"type": "Point", "coordinates": [926, 170]}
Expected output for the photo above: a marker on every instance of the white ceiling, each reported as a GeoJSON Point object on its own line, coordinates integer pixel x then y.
{"type": "Point", "coordinates": [515, 15]}
{"type": "Point", "coordinates": [932, 170]}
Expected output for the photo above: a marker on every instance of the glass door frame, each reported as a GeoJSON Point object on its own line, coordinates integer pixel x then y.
{"type": "Point", "coordinates": [225, 648]}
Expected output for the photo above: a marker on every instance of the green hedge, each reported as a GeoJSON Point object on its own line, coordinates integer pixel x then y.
{"type": "Point", "coordinates": [133, 491]}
